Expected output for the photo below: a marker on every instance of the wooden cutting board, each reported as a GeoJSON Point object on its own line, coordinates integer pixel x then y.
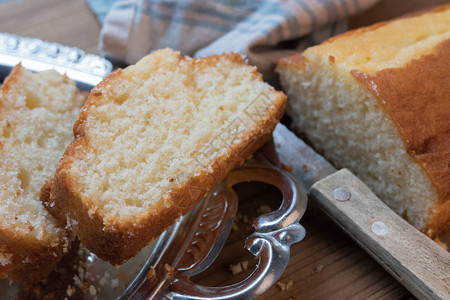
{"type": "Point", "coordinates": [326, 264]}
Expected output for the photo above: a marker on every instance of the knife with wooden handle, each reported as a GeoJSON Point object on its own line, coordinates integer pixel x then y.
{"type": "Point", "coordinates": [416, 261]}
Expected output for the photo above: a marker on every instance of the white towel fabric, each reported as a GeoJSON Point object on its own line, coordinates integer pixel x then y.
{"type": "Point", "coordinates": [264, 30]}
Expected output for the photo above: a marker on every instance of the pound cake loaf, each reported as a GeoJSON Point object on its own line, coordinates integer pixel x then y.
{"type": "Point", "coordinates": [151, 140]}
{"type": "Point", "coordinates": [377, 101]}
{"type": "Point", "coordinates": [37, 112]}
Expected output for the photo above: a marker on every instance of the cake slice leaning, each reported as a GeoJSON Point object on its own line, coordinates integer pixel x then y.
{"type": "Point", "coordinates": [151, 140]}
{"type": "Point", "coordinates": [37, 112]}
{"type": "Point", "coordinates": [377, 101]}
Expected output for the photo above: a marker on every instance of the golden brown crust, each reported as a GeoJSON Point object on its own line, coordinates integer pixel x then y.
{"type": "Point", "coordinates": [30, 259]}
{"type": "Point", "coordinates": [417, 99]}
{"type": "Point", "coordinates": [12, 79]}
{"type": "Point", "coordinates": [296, 61]}
{"type": "Point", "coordinates": [351, 44]}
{"type": "Point", "coordinates": [378, 25]}
{"type": "Point", "coordinates": [118, 241]}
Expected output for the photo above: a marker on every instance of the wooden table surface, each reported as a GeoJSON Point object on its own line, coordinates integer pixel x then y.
{"type": "Point", "coordinates": [326, 264]}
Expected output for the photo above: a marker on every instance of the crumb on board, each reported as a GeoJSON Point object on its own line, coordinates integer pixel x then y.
{"type": "Point", "coordinates": [289, 284]}
{"type": "Point", "coordinates": [92, 290]}
{"type": "Point", "coordinates": [240, 218]}
{"type": "Point", "coordinates": [318, 269]}
{"type": "Point", "coordinates": [151, 275]}
{"type": "Point", "coordinates": [114, 283]}
{"type": "Point", "coordinates": [70, 290]}
{"type": "Point", "coordinates": [281, 286]}
{"type": "Point", "coordinates": [169, 270]}
{"type": "Point", "coordinates": [285, 286]}
{"type": "Point", "coordinates": [244, 265]}
{"type": "Point", "coordinates": [305, 167]}
{"type": "Point", "coordinates": [238, 268]}
{"type": "Point", "coordinates": [264, 209]}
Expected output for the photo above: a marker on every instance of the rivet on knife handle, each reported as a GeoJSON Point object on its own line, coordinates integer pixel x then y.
{"type": "Point", "coordinates": [421, 265]}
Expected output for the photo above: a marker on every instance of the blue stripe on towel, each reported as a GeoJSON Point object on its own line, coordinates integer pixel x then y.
{"type": "Point", "coordinates": [260, 23]}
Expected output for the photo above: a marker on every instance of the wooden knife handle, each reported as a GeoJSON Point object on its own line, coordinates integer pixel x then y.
{"type": "Point", "coordinates": [416, 261]}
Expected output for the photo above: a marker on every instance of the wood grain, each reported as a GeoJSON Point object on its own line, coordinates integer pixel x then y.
{"type": "Point", "coordinates": [327, 264]}
{"type": "Point", "coordinates": [68, 22]}
{"type": "Point", "coordinates": [409, 255]}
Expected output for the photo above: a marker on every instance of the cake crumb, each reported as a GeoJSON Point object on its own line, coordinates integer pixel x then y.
{"type": "Point", "coordinates": [286, 167]}
{"type": "Point", "coordinates": [318, 269]}
{"type": "Point", "coordinates": [236, 269]}
{"type": "Point", "coordinates": [305, 167]}
{"type": "Point", "coordinates": [102, 281]}
{"type": "Point", "coordinates": [70, 290]}
{"type": "Point", "coordinates": [289, 284]}
{"type": "Point", "coordinates": [264, 209]}
{"type": "Point", "coordinates": [114, 283]}
{"type": "Point", "coordinates": [92, 290]}
{"type": "Point", "coordinates": [285, 286]}
{"type": "Point", "coordinates": [244, 265]}
{"type": "Point", "coordinates": [151, 274]}
{"type": "Point", "coordinates": [169, 270]}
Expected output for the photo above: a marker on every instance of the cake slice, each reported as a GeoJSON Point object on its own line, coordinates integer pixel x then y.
{"type": "Point", "coordinates": [377, 101]}
{"type": "Point", "coordinates": [37, 112]}
{"type": "Point", "coordinates": [151, 140]}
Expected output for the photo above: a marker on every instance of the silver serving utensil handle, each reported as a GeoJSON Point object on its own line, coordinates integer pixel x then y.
{"type": "Point", "coordinates": [168, 276]}
{"type": "Point", "coordinates": [274, 233]}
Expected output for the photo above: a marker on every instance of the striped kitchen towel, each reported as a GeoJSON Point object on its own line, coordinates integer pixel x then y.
{"type": "Point", "coordinates": [263, 30]}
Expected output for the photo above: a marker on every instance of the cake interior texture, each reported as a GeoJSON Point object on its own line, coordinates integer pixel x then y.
{"type": "Point", "coordinates": [336, 97]}
{"type": "Point", "coordinates": [165, 120]}
{"type": "Point", "coordinates": [37, 112]}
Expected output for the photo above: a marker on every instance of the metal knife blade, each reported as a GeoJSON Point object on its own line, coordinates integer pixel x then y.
{"type": "Point", "coordinates": [36, 55]}
{"type": "Point", "coordinates": [288, 150]}
{"type": "Point", "coordinates": [415, 260]}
